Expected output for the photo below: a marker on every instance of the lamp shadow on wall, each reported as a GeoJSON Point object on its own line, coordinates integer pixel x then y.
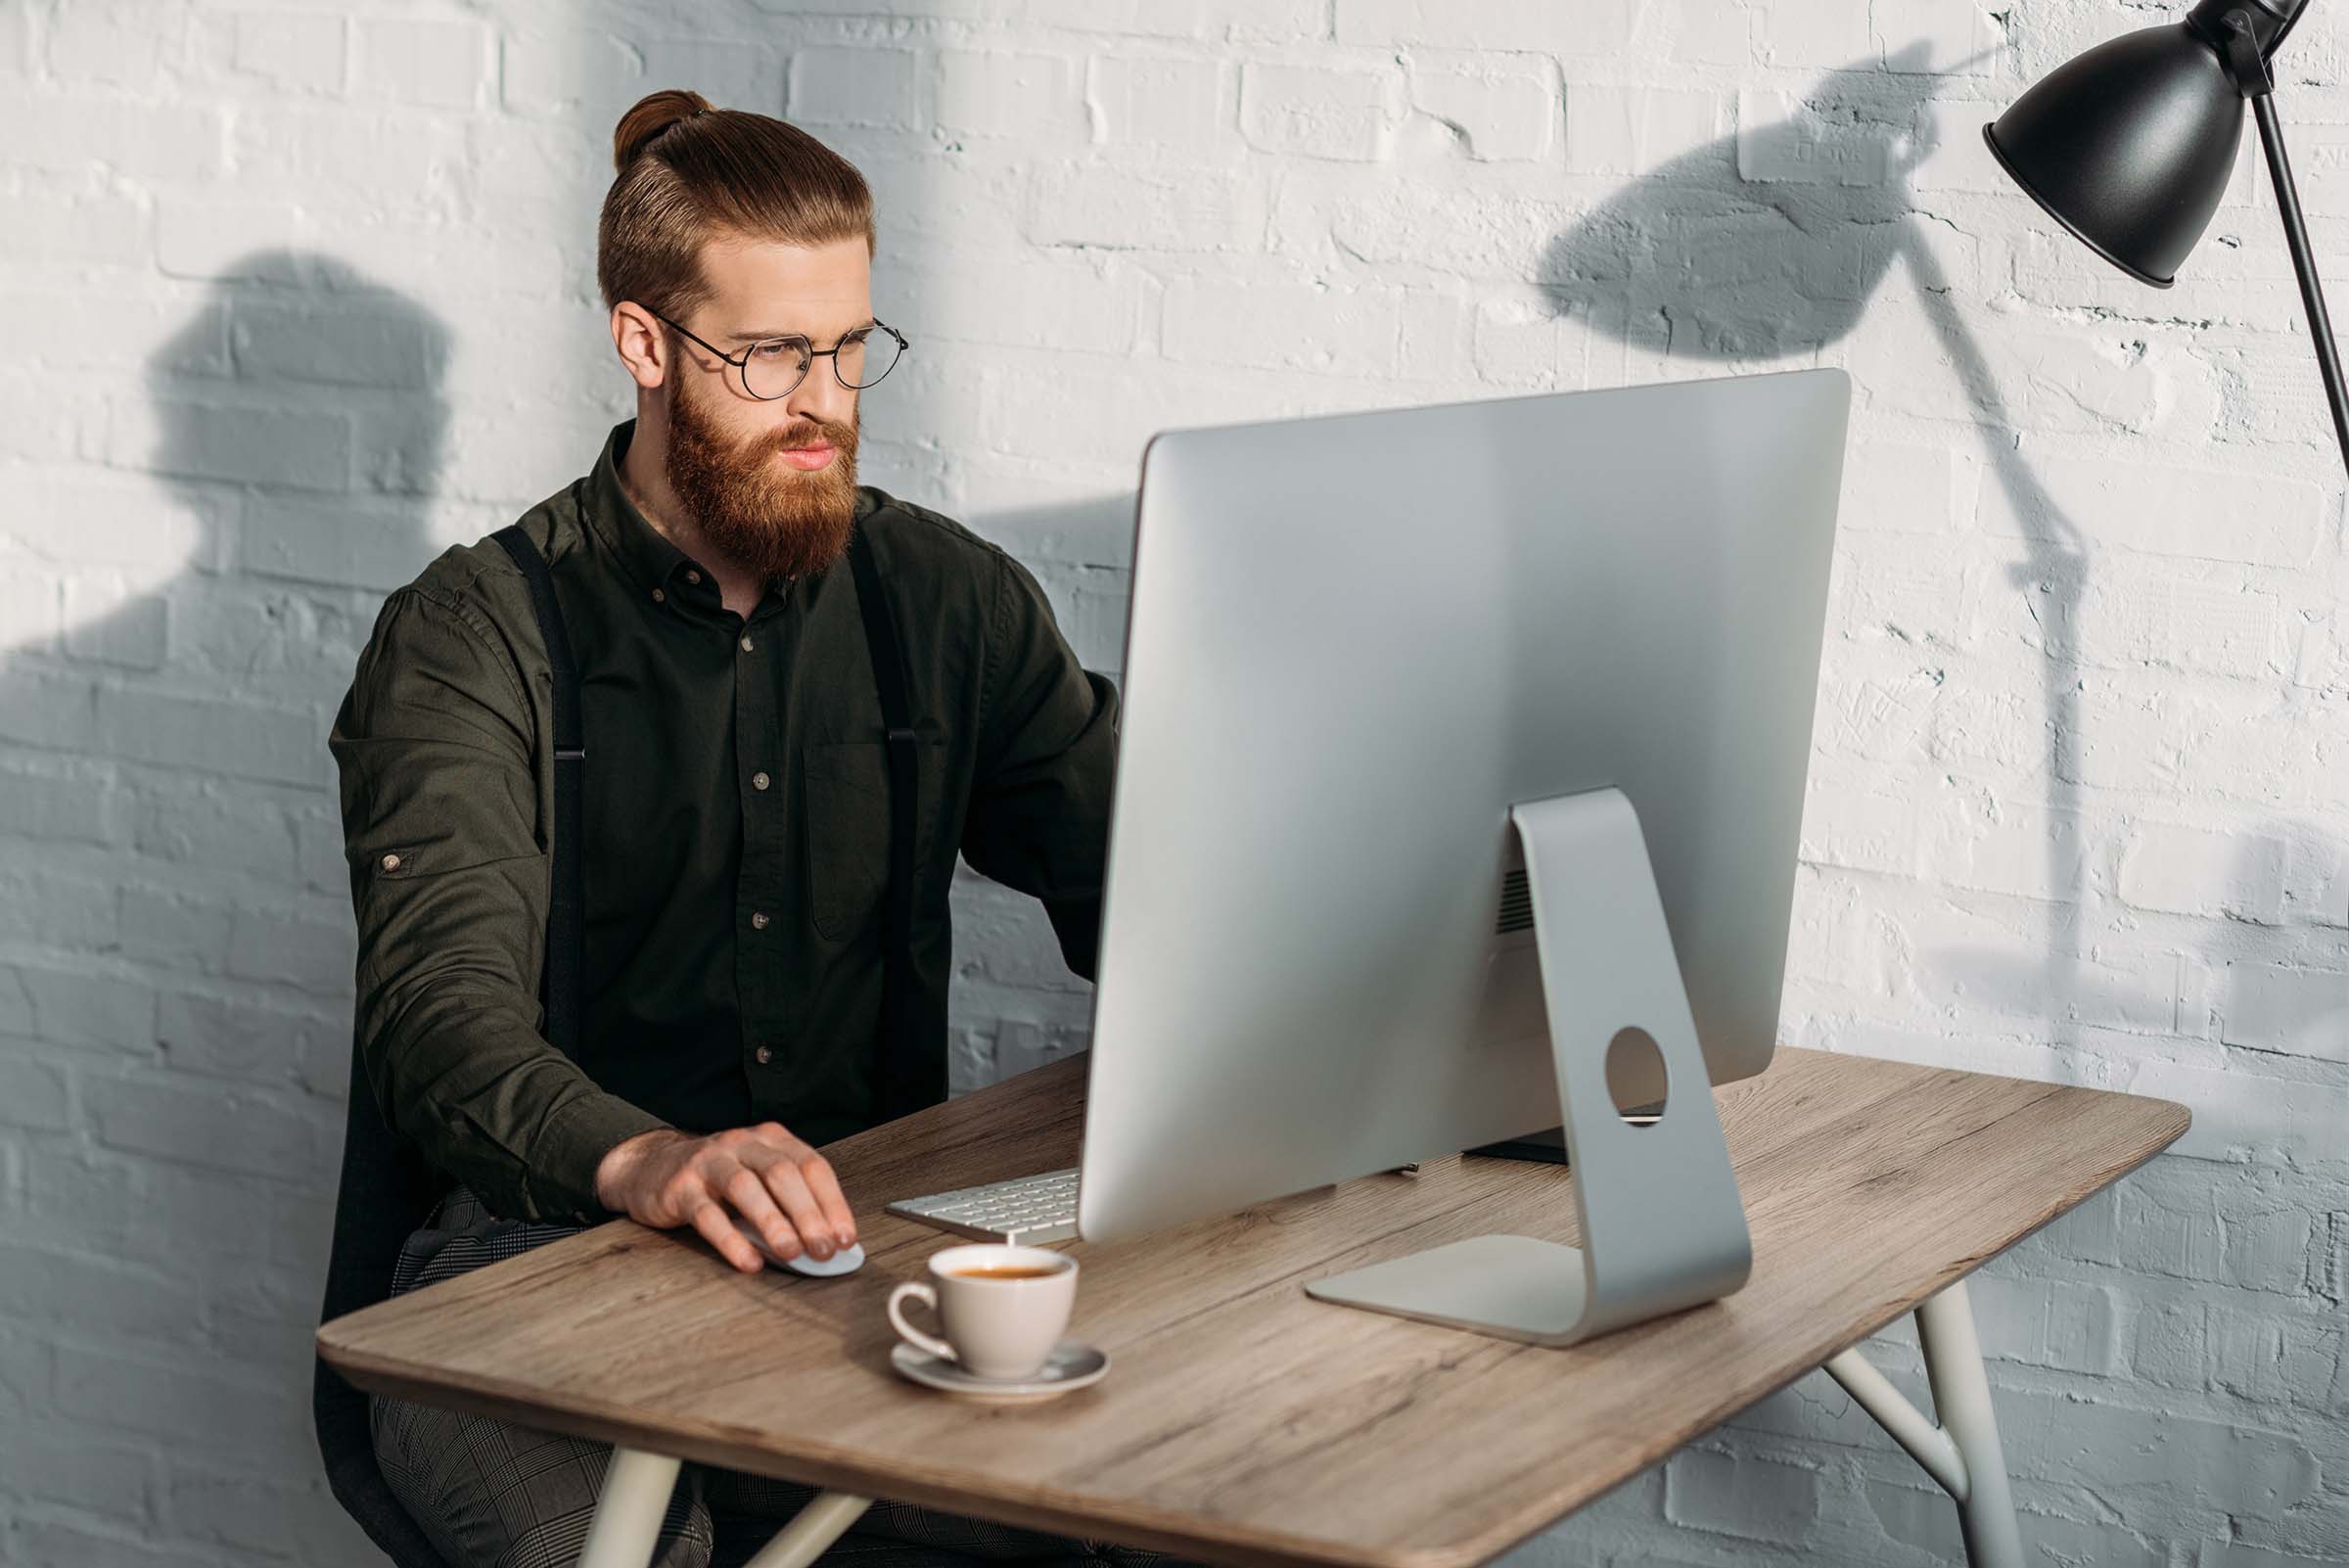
{"type": "Point", "coordinates": [1770, 245]}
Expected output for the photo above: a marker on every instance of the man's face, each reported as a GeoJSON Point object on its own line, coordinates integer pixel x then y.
{"type": "Point", "coordinates": [770, 483]}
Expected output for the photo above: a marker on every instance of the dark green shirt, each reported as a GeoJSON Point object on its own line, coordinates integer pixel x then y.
{"type": "Point", "coordinates": [736, 831]}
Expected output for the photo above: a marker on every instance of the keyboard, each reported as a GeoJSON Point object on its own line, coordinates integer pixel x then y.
{"type": "Point", "coordinates": [1024, 1208]}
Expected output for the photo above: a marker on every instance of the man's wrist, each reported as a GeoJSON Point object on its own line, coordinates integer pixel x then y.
{"type": "Point", "coordinates": [611, 1172]}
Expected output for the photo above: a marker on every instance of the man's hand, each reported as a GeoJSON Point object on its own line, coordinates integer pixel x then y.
{"type": "Point", "coordinates": [780, 1186]}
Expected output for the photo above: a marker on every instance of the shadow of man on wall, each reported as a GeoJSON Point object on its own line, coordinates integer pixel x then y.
{"type": "Point", "coordinates": [200, 601]}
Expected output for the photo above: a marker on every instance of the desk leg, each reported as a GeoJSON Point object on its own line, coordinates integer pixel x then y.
{"type": "Point", "coordinates": [637, 1487]}
{"type": "Point", "coordinates": [1961, 1452]}
{"type": "Point", "coordinates": [824, 1520]}
{"type": "Point", "coordinates": [628, 1512]}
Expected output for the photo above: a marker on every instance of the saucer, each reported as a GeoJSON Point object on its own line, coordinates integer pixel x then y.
{"type": "Point", "coordinates": [1071, 1364]}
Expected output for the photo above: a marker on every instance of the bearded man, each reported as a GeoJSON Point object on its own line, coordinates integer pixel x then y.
{"type": "Point", "coordinates": [736, 818]}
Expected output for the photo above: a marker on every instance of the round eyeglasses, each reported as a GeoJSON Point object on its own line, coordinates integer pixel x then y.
{"type": "Point", "coordinates": [772, 368]}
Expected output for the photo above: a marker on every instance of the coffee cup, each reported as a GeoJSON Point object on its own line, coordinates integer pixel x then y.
{"type": "Point", "coordinates": [1000, 1307]}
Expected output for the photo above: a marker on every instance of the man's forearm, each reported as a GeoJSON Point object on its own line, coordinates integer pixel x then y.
{"type": "Point", "coordinates": [490, 1101]}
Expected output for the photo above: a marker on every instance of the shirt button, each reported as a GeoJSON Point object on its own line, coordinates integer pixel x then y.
{"type": "Point", "coordinates": [764, 1054]}
{"type": "Point", "coordinates": [745, 645]}
{"type": "Point", "coordinates": [658, 597]}
{"type": "Point", "coordinates": [759, 919]}
{"type": "Point", "coordinates": [691, 575]}
{"type": "Point", "coordinates": [392, 861]}
{"type": "Point", "coordinates": [758, 781]}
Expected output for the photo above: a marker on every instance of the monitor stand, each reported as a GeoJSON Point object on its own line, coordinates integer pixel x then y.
{"type": "Point", "coordinates": [1662, 1226]}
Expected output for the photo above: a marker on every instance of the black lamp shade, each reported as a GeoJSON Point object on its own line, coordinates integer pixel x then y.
{"type": "Point", "coordinates": [2129, 145]}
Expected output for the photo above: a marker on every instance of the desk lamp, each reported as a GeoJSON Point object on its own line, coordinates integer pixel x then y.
{"type": "Point", "coordinates": [2130, 147]}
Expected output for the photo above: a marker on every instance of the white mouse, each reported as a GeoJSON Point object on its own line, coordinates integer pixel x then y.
{"type": "Point", "coordinates": [844, 1261]}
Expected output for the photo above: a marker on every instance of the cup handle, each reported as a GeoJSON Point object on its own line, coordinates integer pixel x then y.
{"type": "Point", "coordinates": [914, 1336]}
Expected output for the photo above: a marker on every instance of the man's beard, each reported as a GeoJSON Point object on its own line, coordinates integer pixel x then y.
{"type": "Point", "coordinates": [757, 511]}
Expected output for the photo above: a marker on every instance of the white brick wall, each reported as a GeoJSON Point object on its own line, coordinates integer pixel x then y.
{"type": "Point", "coordinates": [302, 292]}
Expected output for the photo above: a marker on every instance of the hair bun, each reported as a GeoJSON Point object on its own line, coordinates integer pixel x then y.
{"type": "Point", "coordinates": [652, 114]}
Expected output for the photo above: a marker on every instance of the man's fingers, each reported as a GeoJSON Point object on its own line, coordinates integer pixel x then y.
{"type": "Point", "coordinates": [750, 1199]}
{"type": "Point", "coordinates": [716, 1227]}
{"type": "Point", "coordinates": [817, 1171]}
{"type": "Point", "coordinates": [783, 1180]}
{"type": "Point", "coordinates": [826, 1185]}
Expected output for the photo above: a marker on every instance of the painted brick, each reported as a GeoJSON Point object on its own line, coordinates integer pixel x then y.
{"type": "Point", "coordinates": [854, 87]}
{"type": "Point", "coordinates": [2287, 1008]}
{"type": "Point", "coordinates": [1620, 130]}
{"type": "Point", "coordinates": [1510, 116]}
{"type": "Point", "coordinates": [424, 62]}
{"type": "Point", "coordinates": [1312, 113]}
{"type": "Point", "coordinates": [1163, 103]}
{"type": "Point", "coordinates": [290, 49]}
{"type": "Point", "coordinates": [1597, 28]}
{"type": "Point", "coordinates": [1026, 95]}
{"type": "Point", "coordinates": [1762, 1499]}
{"type": "Point", "coordinates": [2192, 871]}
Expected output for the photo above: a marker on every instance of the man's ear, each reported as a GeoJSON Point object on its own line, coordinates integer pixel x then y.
{"type": "Point", "coordinates": [642, 347]}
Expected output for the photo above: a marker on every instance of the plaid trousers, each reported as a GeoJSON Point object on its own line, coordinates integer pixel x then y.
{"type": "Point", "coordinates": [494, 1493]}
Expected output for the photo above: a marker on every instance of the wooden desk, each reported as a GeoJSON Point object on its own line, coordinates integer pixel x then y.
{"type": "Point", "coordinates": [1242, 1422]}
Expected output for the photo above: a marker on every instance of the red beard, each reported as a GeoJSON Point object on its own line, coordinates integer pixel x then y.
{"type": "Point", "coordinates": [753, 509]}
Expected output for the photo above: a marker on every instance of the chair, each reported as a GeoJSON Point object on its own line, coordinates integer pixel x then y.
{"type": "Point", "coordinates": [386, 1191]}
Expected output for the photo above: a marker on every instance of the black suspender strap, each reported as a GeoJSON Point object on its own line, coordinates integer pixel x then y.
{"type": "Point", "coordinates": [565, 922]}
{"type": "Point", "coordinates": [902, 1089]}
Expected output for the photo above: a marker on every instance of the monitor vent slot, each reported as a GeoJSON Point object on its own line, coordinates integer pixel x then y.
{"type": "Point", "coordinates": [1516, 905]}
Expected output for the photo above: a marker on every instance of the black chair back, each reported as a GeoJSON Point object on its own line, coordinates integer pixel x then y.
{"type": "Point", "coordinates": [386, 1191]}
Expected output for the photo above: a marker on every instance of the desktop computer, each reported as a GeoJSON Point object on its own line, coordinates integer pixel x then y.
{"type": "Point", "coordinates": [1459, 775]}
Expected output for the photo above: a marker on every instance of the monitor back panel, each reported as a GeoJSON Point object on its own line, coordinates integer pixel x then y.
{"type": "Point", "coordinates": [1354, 642]}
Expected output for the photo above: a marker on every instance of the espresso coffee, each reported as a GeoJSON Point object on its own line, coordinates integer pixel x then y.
{"type": "Point", "coordinates": [1006, 1272]}
{"type": "Point", "coordinates": [991, 1330]}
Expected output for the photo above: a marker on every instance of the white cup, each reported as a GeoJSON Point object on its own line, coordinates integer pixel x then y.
{"type": "Point", "coordinates": [994, 1327]}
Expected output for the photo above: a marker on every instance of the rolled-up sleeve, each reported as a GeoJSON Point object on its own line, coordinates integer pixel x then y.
{"type": "Point", "coordinates": [1038, 819]}
{"type": "Point", "coordinates": [449, 882]}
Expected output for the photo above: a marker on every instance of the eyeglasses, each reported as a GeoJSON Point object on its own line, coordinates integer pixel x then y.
{"type": "Point", "coordinates": [772, 368]}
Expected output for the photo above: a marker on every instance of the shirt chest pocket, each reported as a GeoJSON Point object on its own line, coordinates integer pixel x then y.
{"type": "Point", "coordinates": [847, 789]}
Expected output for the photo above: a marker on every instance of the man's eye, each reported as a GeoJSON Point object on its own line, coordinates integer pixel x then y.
{"type": "Point", "coordinates": [776, 348]}
{"type": "Point", "coordinates": [858, 337]}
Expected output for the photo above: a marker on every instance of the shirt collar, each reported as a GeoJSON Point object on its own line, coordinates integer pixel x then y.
{"type": "Point", "coordinates": [648, 554]}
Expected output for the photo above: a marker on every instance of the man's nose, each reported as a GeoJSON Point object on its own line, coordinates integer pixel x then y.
{"type": "Point", "coordinates": [821, 397]}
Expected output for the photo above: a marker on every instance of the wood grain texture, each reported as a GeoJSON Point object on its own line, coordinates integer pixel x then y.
{"type": "Point", "coordinates": [1241, 1421]}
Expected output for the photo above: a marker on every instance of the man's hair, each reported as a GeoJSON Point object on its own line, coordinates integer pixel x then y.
{"type": "Point", "coordinates": [690, 174]}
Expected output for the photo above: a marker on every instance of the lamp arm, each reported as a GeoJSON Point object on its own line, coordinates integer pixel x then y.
{"type": "Point", "coordinates": [2295, 237]}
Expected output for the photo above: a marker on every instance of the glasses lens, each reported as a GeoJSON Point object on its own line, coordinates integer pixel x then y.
{"type": "Point", "coordinates": [775, 366]}
{"type": "Point", "coordinates": [866, 356]}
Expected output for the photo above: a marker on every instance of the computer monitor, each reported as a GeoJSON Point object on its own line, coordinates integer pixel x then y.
{"type": "Point", "coordinates": [1413, 700]}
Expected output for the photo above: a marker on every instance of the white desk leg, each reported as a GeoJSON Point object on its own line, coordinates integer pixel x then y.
{"type": "Point", "coordinates": [824, 1520]}
{"type": "Point", "coordinates": [637, 1487]}
{"type": "Point", "coordinates": [1962, 1451]}
{"type": "Point", "coordinates": [628, 1512]}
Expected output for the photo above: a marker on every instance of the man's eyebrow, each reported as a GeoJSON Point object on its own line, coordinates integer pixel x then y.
{"type": "Point", "coordinates": [790, 332]}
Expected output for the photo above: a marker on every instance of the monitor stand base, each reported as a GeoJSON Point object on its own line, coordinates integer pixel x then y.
{"type": "Point", "coordinates": [1662, 1225]}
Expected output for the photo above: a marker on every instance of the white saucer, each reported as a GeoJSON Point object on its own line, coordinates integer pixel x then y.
{"type": "Point", "coordinates": [1071, 1364]}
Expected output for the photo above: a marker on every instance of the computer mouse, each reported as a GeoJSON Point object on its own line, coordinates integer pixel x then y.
{"type": "Point", "coordinates": [844, 1261]}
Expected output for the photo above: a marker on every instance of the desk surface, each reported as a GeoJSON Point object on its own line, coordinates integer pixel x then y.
{"type": "Point", "coordinates": [1242, 1421]}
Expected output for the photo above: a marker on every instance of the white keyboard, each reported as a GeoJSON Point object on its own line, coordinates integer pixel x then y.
{"type": "Point", "coordinates": [1023, 1209]}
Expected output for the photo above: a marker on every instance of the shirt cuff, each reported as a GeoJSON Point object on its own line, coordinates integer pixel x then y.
{"type": "Point", "coordinates": [560, 1182]}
